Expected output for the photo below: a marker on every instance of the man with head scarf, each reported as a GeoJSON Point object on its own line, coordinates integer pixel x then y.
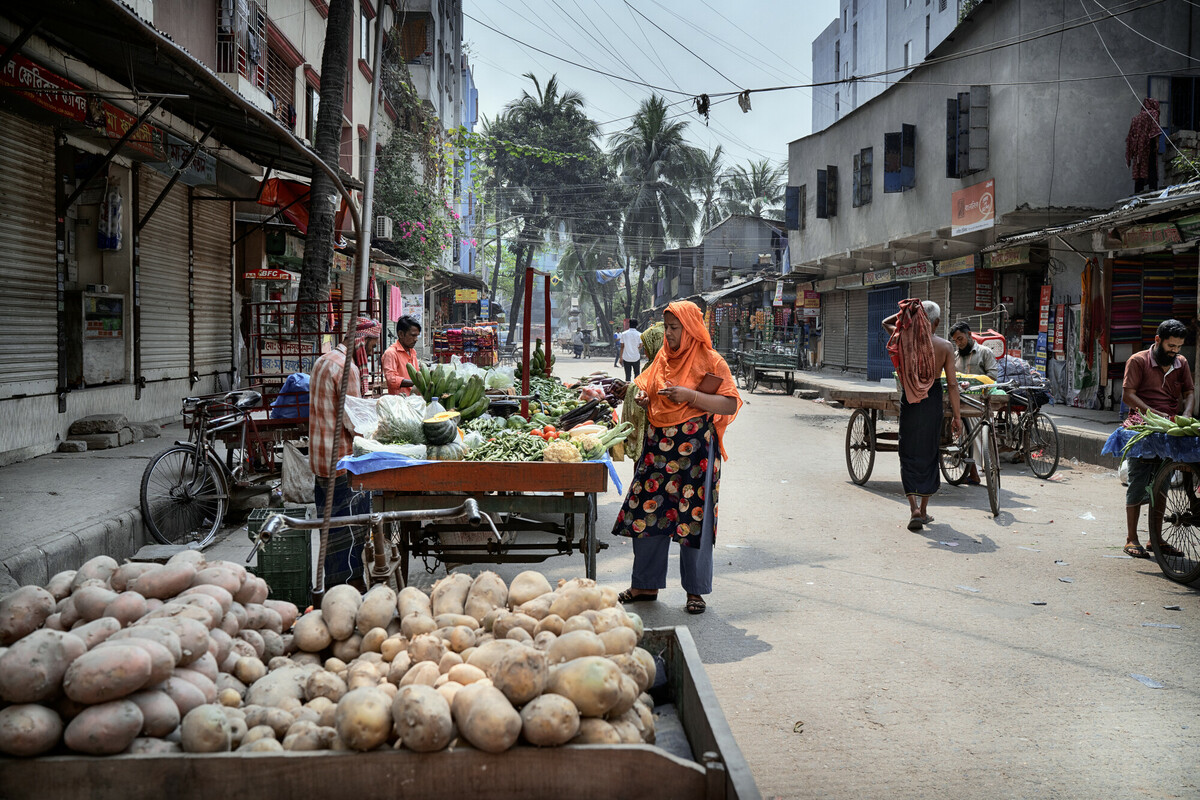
{"type": "Point", "coordinates": [677, 476]}
{"type": "Point", "coordinates": [1141, 147]}
{"type": "Point", "coordinates": [367, 332]}
{"type": "Point", "coordinates": [330, 438]}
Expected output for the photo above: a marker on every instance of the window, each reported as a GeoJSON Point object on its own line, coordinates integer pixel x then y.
{"type": "Point", "coordinates": [941, 5]}
{"type": "Point", "coordinates": [863, 162]}
{"type": "Point", "coordinates": [843, 20]}
{"type": "Point", "coordinates": [855, 7]}
{"type": "Point", "coordinates": [365, 47]}
{"type": "Point", "coordinates": [362, 156]}
{"type": "Point", "coordinates": [837, 106]}
{"type": "Point", "coordinates": [312, 104]}
{"type": "Point", "coordinates": [792, 211]}
{"type": "Point", "coordinates": [827, 192]}
{"type": "Point", "coordinates": [899, 159]}
{"type": "Point", "coordinates": [281, 88]}
{"type": "Point", "coordinates": [1178, 99]}
{"type": "Point", "coordinates": [907, 54]}
{"type": "Point", "coordinates": [967, 132]}
{"type": "Point", "coordinates": [837, 60]}
{"type": "Point", "coordinates": [854, 48]}
{"type": "Point", "coordinates": [803, 204]}
{"type": "Point", "coordinates": [908, 3]}
{"type": "Point", "coordinates": [413, 43]}
{"type": "Point", "coordinates": [926, 34]}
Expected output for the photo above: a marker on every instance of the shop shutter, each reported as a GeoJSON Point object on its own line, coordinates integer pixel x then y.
{"type": "Point", "coordinates": [163, 280]}
{"type": "Point", "coordinates": [962, 301]}
{"type": "Point", "coordinates": [28, 275]}
{"type": "Point", "coordinates": [856, 329]}
{"type": "Point", "coordinates": [833, 328]}
{"type": "Point", "coordinates": [934, 290]}
{"type": "Point", "coordinates": [211, 338]}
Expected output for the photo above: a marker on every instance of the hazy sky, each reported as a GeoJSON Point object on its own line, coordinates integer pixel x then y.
{"type": "Point", "coordinates": [747, 44]}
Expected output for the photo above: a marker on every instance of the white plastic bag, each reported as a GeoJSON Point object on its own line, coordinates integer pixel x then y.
{"type": "Point", "coordinates": [297, 475]}
{"type": "Point", "coordinates": [364, 417]}
{"type": "Point", "coordinates": [433, 409]}
{"type": "Point", "coordinates": [363, 446]}
{"type": "Point", "coordinates": [1123, 472]}
{"type": "Point", "coordinates": [399, 420]}
{"type": "Point", "coordinates": [500, 378]}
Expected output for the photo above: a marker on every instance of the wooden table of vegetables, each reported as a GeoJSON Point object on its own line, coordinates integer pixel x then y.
{"type": "Point", "coordinates": [535, 475]}
{"type": "Point", "coordinates": [186, 680]}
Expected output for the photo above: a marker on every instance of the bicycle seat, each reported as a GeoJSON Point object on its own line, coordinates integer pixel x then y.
{"type": "Point", "coordinates": [245, 399]}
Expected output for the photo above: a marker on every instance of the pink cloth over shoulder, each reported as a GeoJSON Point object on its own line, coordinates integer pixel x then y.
{"type": "Point", "coordinates": [911, 351]}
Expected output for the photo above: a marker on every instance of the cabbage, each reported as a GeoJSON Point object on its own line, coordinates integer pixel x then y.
{"type": "Point", "coordinates": [399, 420]}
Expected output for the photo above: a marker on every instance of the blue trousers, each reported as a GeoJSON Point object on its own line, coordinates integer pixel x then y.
{"type": "Point", "coordinates": [343, 553]}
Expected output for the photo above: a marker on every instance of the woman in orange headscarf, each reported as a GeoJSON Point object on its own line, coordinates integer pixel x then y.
{"type": "Point", "coordinates": [678, 475]}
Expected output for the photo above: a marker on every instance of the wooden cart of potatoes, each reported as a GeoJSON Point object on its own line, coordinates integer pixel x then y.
{"type": "Point", "coordinates": [864, 439]}
{"type": "Point", "coordinates": [694, 756]}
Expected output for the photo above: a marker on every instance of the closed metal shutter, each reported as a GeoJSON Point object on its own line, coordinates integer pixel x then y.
{"type": "Point", "coordinates": [962, 301]}
{"type": "Point", "coordinates": [213, 326]}
{"type": "Point", "coordinates": [856, 330]}
{"type": "Point", "coordinates": [163, 280]}
{"type": "Point", "coordinates": [833, 328]}
{"type": "Point", "coordinates": [28, 274]}
{"type": "Point", "coordinates": [934, 290]}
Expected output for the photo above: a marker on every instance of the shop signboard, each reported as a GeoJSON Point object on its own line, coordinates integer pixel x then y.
{"type": "Point", "coordinates": [778, 299]}
{"type": "Point", "coordinates": [1150, 233]}
{"type": "Point", "coordinates": [1044, 309]}
{"type": "Point", "coordinates": [201, 170]}
{"type": "Point", "coordinates": [279, 357]}
{"type": "Point", "coordinates": [957, 266]}
{"type": "Point", "coordinates": [270, 274]}
{"type": "Point", "coordinates": [342, 262]}
{"type": "Point", "coordinates": [414, 306]}
{"type": "Point", "coordinates": [973, 208]}
{"type": "Point", "coordinates": [1008, 257]}
{"type": "Point", "coordinates": [879, 276]}
{"type": "Point", "coordinates": [984, 298]}
{"type": "Point", "coordinates": [811, 303]}
{"type": "Point", "coordinates": [484, 307]}
{"type": "Point", "coordinates": [849, 281]}
{"type": "Point", "coordinates": [1039, 359]}
{"type": "Point", "coordinates": [466, 295]}
{"type": "Point", "coordinates": [1060, 327]}
{"type": "Point", "coordinates": [917, 271]}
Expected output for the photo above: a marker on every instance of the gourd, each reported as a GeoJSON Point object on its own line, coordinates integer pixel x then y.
{"type": "Point", "coordinates": [441, 428]}
{"type": "Point", "coordinates": [453, 451]}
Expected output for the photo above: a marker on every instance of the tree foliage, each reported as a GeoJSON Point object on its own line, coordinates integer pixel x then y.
{"type": "Point", "coordinates": [756, 189]}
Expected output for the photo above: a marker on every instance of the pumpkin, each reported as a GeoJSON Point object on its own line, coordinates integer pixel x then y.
{"type": "Point", "coordinates": [441, 428]}
{"type": "Point", "coordinates": [454, 451]}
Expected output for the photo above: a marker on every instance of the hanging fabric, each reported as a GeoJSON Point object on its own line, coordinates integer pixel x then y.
{"type": "Point", "coordinates": [108, 227]}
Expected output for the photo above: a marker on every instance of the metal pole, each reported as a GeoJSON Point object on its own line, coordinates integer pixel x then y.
{"type": "Point", "coordinates": [525, 331]}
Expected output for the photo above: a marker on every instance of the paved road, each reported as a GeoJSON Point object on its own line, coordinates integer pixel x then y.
{"type": "Point", "coordinates": [854, 658]}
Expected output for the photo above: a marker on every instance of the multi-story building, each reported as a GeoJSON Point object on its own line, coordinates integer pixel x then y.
{"type": "Point", "coordinates": [870, 46]}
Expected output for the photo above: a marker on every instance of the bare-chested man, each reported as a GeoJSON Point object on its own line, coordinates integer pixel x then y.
{"type": "Point", "coordinates": [921, 424]}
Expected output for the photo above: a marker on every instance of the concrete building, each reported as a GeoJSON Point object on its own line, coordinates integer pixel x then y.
{"type": "Point", "coordinates": [893, 200]}
{"type": "Point", "coordinates": [871, 37]}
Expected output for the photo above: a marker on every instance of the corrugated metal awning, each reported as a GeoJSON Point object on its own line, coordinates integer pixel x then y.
{"type": "Point", "coordinates": [733, 291]}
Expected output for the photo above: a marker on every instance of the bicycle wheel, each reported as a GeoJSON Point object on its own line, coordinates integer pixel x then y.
{"type": "Point", "coordinates": [183, 502]}
{"type": "Point", "coordinates": [1040, 444]}
{"type": "Point", "coordinates": [991, 467]}
{"type": "Point", "coordinates": [1177, 530]}
{"type": "Point", "coordinates": [860, 446]}
{"type": "Point", "coordinates": [953, 458]}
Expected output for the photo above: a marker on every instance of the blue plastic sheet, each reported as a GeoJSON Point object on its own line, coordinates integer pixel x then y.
{"type": "Point", "coordinates": [1156, 445]}
{"type": "Point", "coordinates": [374, 462]}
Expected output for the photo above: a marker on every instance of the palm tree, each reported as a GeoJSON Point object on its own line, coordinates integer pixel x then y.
{"type": "Point", "coordinates": [656, 165]}
{"type": "Point", "coordinates": [757, 191]}
{"type": "Point", "coordinates": [706, 181]}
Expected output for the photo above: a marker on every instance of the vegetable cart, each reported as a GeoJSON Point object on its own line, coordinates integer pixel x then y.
{"type": "Point", "coordinates": [695, 756]}
{"type": "Point", "coordinates": [523, 498]}
{"type": "Point", "coordinates": [764, 366]}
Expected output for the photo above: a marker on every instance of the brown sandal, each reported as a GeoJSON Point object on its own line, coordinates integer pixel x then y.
{"type": "Point", "coordinates": [628, 596]}
{"type": "Point", "coordinates": [695, 605]}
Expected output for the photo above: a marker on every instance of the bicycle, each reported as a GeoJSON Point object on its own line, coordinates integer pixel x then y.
{"type": "Point", "coordinates": [1023, 428]}
{"type": "Point", "coordinates": [956, 460]}
{"type": "Point", "coordinates": [185, 488]}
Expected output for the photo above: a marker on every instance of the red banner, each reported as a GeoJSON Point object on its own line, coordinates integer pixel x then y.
{"type": "Point", "coordinates": [1044, 311]}
{"type": "Point", "coordinates": [1060, 328]}
{"type": "Point", "coordinates": [984, 298]}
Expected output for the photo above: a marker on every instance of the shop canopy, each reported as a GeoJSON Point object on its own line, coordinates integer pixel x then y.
{"type": "Point", "coordinates": [291, 198]}
{"type": "Point", "coordinates": [737, 290]}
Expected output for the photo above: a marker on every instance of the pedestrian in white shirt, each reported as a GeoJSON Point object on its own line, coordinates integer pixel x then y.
{"type": "Point", "coordinates": [631, 349]}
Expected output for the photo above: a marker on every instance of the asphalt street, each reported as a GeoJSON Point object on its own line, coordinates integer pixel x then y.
{"type": "Point", "coordinates": [854, 658]}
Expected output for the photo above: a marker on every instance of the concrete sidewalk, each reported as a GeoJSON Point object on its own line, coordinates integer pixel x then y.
{"type": "Point", "coordinates": [1081, 432]}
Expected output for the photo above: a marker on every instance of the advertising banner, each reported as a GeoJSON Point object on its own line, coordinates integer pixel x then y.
{"type": "Point", "coordinates": [466, 295]}
{"type": "Point", "coordinates": [973, 208]}
{"type": "Point", "coordinates": [984, 299]}
{"type": "Point", "coordinates": [918, 271]}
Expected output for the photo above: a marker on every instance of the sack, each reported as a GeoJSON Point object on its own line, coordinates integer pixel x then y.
{"type": "Point", "coordinates": [297, 475]}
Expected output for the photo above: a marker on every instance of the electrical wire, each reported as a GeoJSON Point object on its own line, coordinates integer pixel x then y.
{"type": "Point", "coordinates": [1147, 38]}
{"type": "Point", "coordinates": [684, 46]}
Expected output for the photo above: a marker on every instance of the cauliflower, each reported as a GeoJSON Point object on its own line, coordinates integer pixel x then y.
{"type": "Point", "coordinates": [561, 451]}
{"type": "Point", "coordinates": [590, 446]}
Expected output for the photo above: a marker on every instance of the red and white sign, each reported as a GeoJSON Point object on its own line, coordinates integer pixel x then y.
{"type": "Point", "coordinates": [1060, 327]}
{"type": "Point", "coordinates": [268, 274]}
{"type": "Point", "coordinates": [1044, 311]}
{"type": "Point", "coordinates": [973, 208]}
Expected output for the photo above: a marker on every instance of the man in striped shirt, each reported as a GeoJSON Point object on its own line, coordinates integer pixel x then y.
{"type": "Point", "coordinates": [343, 556]}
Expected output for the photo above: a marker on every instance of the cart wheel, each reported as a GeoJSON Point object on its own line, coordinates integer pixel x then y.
{"type": "Point", "coordinates": [1180, 513]}
{"type": "Point", "coordinates": [991, 467]}
{"type": "Point", "coordinates": [860, 446]}
{"type": "Point", "coordinates": [791, 385]}
{"type": "Point", "coordinates": [1040, 444]}
{"type": "Point", "coordinates": [751, 379]}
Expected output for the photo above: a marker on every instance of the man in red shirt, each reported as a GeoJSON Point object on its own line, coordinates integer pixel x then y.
{"type": "Point", "coordinates": [326, 433]}
{"type": "Point", "coordinates": [1157, 378]}
{"type": "Point", "coordinates": [397, 357]}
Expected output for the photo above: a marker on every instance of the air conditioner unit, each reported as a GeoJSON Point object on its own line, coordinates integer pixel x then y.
{"type": "Point", "coordinates": [383, 228]}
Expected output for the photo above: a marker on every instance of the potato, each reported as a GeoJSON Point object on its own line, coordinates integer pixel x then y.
{"type": "Point", "coordinates": [626, 731]}
{"type": "Point", "coordinates": [592, 683]}
{"type": "Point", "coordinates": [99, 568]}
{"type": "Point", "coordinates": [520, 635]}
{"type": "Point", "coordinates": [646, 717]}
{"type": "Point", "coordinates": [59, 586]}
{"type": "Point", "coordinates": [303, 739]}
{"type": "Point", "coordinates": [549, 721]}
{"type": "Point", "coordinates": [521, 674]}
{"type": "Point", "coordinates": [126, 608]}
{"type": "Point", "coordinates": [338, 609]}
{"type": "Point", "coordinates": [254, 590]}
{"type": "Point", "coordinates": [277, 687]}
{"type": "Point", "coordinates": [311, 633]}
{"type": "Point", "coordinates": [372, 640]}
{"type": "Point", "coordinates": [377, 609]}
{"type": "Point", "coordinates": [259, 618]}
{"type": "Point", "coordinates": [609, 597]}
{"type": "Point", "coordinates": [33, 668]}
{"type": "Point", "coordinates": [232, 566]}
{"type": "Point", "coordinates": [575, 644]}
{"type": "Point", "coordinates": [288, 613]}
{"type": "Point", "coordinates": [206, 665]}
{"type": "Point", "coordinates": [324, 684]}
{"type": "Point", "coordinates": [398, 667]}
{"type": "Point", "coordinates": [487, 593]}
{"type": "Point", "coordinates": [628, 696]}
{"type": "Point", "coordinates": [261, 746]}
{"type": "Point", "coordinates": [449, 690]}
{"type": "Point", "coordinates": [206, 602]}
{"type": "Point", "coordinates": [364, 718]}
{"type": "Point", "coordinates": [98, 630]}
{"type": "Point", "coordinates": [619, 640]}
{"type": "Point", "coordinates": [425, 672]}
{"type": "Point", "coordinates": [543, 640]}
{"type": "Point", "coordinates": [147, 746]}
{"type": "Point", "coordinates": [411, 600]}
{"type": "Point", "coordinates": [465, 673]}
{"type": "Point", "coordinates": [160, 715]}
{"type": "Point", "coordinates": [596, 731]}
{"type": "Point", "coordinates": [248, 670]}
{"type": "Point", "coordinates": [552, 623]}
{"type": "Point", "coordinates": [237, 728]}
{"type": "Point", "coordinates": [393, 646]}
{"type": "Point", "coordinates": [106, 674]}
{"type": "Point", "coordinates": [193, 635]}
{"type": "Point", "coordinates": [200, 681]}
{"type": "Point", "coordinates": [205, 729]}
{"type": "Point", "coordinates": [254, 639]}
{"type": "Point", "coordinates": [416, 624]}
{"type": "Point", "coordinates": [449, 660]}
{"type": "Point", "coordinates": [578, 623]}
{"type": "Point", "coordinates": [162, 663]}
{"type": "Point", "coordinates": [449, 595]}
{"type": "Point", "coordinates": [23, 611]}
{"type": "Point", "coordinates": [538, 607]}
{"type": "Point", "coordinates": [90, 601]}
{"type": "Point", "coordinates": [510, 621]}
{"type": "Point", "coordinates": [460, 638]}
{"type": "Point", "coordinates": [348, 649]}
{"type": "Point", "coordinates": [53, 622]}
{"type": "Point", "coordinates": [194, 557]}
{"type": "Point", "coordinates": [421, 717]}
{"type": "Point", "coordinates": [273, 644]}
{"type": "Point", "coordinates": [164, 582]}
{"type": "Point", "coordinates": [124, 574]}
{"type": "Point", "coordinates": [575, 601]}
{"type": "Point", "coordinates": [279, 720]}
{"type": "Point", "coordinates": [104, 729]}
{"type": "Point", "coordinates": [648, 665]}
{"type": "Point", "coordinates": [67, 615]}
{"type": "Point", "coordinates": [527, 586]}
{"type": "Point", "coordinates": [29, 730]}
{"type": "Point", "coordinates": [257, 732]}
{"type": "Point", "coordinates": [216, 576]}
{"type": "Point", "coordinates": [166, 638]}
{"type": "Point", "coordinates": [630, 665]}
{"type": "Point", "coordinates": [486, 655]}
{"type": "Point", "coordinates": [488, 721]}
{"type": "Point", "coordinates": [426, 647]}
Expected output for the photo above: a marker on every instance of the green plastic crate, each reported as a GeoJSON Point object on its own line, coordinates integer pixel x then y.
{"type": "Point", "coordinates": [285, 563]}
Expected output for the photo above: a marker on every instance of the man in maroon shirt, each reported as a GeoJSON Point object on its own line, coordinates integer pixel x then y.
{"type": "Point", "coordinates": [1158, 378]}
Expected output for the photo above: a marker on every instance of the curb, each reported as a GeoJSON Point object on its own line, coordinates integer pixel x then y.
{"type": "Point", "coordinates": [120, 536]}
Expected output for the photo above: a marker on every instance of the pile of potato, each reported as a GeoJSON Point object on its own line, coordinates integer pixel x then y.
{"type": "Point", "coordinates": [191, 656]}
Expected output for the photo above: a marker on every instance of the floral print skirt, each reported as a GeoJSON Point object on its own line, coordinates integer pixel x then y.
{"type": "Point", "coordinates": [675, 484]}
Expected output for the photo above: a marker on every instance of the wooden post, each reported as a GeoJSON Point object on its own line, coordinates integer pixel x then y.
{"type": "Point", "coordinates": [547, 334]}
{"type": "Point", "coordinates": [525, 329]}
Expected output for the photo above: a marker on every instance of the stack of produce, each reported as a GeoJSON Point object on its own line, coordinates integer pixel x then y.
{"type": "Point", "coordinates": [1150, 422]}
{"type": "Point", "coordinates": [540, 364]}
{"type": "Point", "coordinates": [191, 656]}
{"type": "Point", "coordinates": [451, 389]}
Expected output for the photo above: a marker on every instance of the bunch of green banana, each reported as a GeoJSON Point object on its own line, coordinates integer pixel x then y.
{"type": "Point", "coordinates": [1156, 423]}
{"type": "Point", "coordinates": [540, 364]}
{"type": "Point", "coordinates": [442, 384]}
{"type": "Point", "coordinates": [468, 399]}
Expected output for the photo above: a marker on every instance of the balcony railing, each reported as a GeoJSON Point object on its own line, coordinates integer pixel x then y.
{"type": "Point", "coordinates": [242, 41]}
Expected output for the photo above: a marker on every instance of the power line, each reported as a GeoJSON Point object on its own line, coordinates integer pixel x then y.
{"type": "Point", "coordinates": [681, 44]}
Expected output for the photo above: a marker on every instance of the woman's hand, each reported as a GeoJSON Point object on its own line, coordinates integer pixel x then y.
{"type": "Point", "coordinates": [642, 399]}
{"type": "Point", "coordinates": [679, 394]}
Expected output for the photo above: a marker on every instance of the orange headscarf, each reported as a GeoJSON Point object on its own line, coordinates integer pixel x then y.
{"type": "Point", "coordinates": [686, 367]}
